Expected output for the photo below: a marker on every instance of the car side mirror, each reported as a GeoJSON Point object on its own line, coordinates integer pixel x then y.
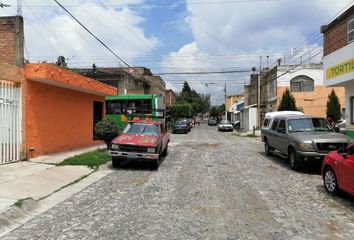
{"type": "Point", "coordinates": [343, 152]}
{"type": "Point", "coordinates": [336, 129]}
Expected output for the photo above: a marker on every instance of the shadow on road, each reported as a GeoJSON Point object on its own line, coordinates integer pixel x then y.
{"type": "Point", "coordinates": [345, 199]}
{"type": "Point", "coordinates": [134, 165]}
{"type": "Point", "coordinates": [311, 168]}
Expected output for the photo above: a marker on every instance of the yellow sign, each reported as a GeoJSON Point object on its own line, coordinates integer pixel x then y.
{"type": "Point", "coordinates": [340, 69]}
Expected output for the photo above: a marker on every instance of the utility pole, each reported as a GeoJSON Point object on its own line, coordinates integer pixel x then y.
{"type": "Point", "coordinates": [225, 104]}
{"type": "Point", "coordinates": [19, 7]}
{"type": "Point", "coordinates": [259, 93]}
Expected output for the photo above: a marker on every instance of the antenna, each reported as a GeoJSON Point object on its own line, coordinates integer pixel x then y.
{"type": "Point", "coordinates": [19, 7]}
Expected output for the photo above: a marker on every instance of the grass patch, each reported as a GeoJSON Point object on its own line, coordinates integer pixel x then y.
{"type": "Point", "coordinates": [20, 202]}
{"type": "Point", "coordinates": [91, 159]}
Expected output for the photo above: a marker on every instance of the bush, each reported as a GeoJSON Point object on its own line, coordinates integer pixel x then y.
{"type": "Point", "coordinates": [107, 130]}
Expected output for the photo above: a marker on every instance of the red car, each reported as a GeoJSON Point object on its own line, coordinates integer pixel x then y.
{"type": "Point", "coordinates": [338, 170]}
{"type": "Point", "coordinates": [144, 140]}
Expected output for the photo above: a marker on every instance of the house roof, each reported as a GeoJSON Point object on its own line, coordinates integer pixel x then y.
{"type": "Point", "coordinates": [345, 14]}
{"type": "Point", "coordinates": [53, 75]}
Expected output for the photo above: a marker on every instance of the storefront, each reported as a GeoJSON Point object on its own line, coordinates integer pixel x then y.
{"type": "Point", "coordinates": [339, 71]}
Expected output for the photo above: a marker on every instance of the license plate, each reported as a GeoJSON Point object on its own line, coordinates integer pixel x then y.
{"type": "Point", "coordinates": [132, 155]}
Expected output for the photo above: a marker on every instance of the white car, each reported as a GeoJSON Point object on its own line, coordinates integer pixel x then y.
{"type": "Point", "coordinates": [225, 125]}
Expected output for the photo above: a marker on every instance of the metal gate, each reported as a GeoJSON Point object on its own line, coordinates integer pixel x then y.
{"type": "Point", "coordinates": [10, 122]}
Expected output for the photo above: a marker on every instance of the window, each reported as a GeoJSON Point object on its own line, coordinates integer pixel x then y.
{"type": "Point", "coordinates": [302, 83]}
{"type": "Point", "coordinates": [265, 122]}
{"type": "Point", "coordinates": [281, 126]}
{"type": "Point", "coordinates": [275, 124]}
{"type": "Point", "coordinates": [351, 30]}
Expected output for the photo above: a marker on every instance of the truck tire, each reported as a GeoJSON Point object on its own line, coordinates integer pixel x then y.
{"type": "Point", "coordinates": [268, 150]}
{"type": "Point", "coordinates": [165, 152]}
{"type": "Point", "coordinates": [155, 164]}
{"type": "Point", "coordinates": [115, 162]}
{"type": "Point", "coordinates": [296, 162]}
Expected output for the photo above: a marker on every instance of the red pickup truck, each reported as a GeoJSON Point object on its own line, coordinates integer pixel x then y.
{"type": "Point", "coordinates": [142, 140]}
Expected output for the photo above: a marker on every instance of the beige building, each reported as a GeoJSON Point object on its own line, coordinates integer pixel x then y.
{"type": "Point", "coordinates": [231, 100]}
{"type": "Point", "coordinates": [170, 98]}
{"type": "Point", "coordinates": [305, 83]}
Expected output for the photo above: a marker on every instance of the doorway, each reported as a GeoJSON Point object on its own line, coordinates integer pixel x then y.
{"type": "Point", "coordinates": [97, 115]}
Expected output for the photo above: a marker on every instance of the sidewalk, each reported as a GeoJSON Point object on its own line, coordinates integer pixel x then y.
{"type": "Point", "coordinates": [36, 184]}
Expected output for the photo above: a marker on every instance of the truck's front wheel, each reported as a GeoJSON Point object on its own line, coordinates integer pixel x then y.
{"type": "Point", "coordinates": [155, 163]}
{"type": "Point", "coordinates": [115, 162]}
{"type": "Point", "coordinates": [296, 162]}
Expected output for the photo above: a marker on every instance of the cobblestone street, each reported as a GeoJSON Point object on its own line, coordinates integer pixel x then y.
{"type": "Point", "coordinates": [212, 185]}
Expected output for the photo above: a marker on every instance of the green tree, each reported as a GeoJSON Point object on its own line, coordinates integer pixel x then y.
{"type": "Point", "coordinates": [199, 103]}
{"type": "Point", "coordinates": [181, 111]}
{"type": "Point", "coordinates": [333, 106]}
{"type": "Point", "coordinates": [107, 130]}
{"type": "Point", "coordinates": [287, 102]}
{"type": "Point", "coordinates": [215, 111]}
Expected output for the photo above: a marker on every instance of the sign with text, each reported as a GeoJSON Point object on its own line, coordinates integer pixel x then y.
{"type": "Point", "coordinates": [340, 69]}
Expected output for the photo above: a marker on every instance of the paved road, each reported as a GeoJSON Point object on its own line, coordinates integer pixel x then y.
{"type": "Point", "coordinates": [211, 186]}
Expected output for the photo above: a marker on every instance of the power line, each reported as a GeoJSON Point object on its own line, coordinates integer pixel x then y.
{"type": "Point", "coordinates": [175, 3]}
{"type": "Point", "coordinates": [295, 66]}
{"type": "Point", "coordinates": [211, 72]}
{"type": "Point", "coordinates": [93, 35]}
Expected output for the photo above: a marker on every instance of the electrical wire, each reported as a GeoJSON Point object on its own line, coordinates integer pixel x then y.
{"type": "Point", "coordinates": [93, 35]}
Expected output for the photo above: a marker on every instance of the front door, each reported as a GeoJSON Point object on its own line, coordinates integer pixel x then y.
{"type": "Point", "coordinates": [10, 122]}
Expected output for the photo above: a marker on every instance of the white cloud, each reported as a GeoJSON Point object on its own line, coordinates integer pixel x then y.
{"type": "Point", "coordinates": [240, 33]}
{"type": "Point", "coordinates": [49, 32]}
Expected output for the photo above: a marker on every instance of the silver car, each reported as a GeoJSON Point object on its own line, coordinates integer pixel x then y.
{"type": "Point", "coordinates": [302, 139]}
{"type": "Point", "coordinates": [225, 125]}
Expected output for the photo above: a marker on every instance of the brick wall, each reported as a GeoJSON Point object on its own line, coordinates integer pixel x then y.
{"type": "Point", "coordinates": [11, 40]}
{"type": "Point", "coordinates": [335, 37]}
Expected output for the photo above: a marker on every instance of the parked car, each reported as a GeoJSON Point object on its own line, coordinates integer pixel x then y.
{"type": "Point", "coordinates": [338, 170]}
{"type": "Point", "coordinates": [180, 126]}
{"type": "Point", "coordinates": [144, 140]}
{"type": "Point", "coordinates": [302, 138]}
{"type": "Point", "coordinates": [269, 117]}
{"type": "Point", "coordinates": [225, 125]}
{"type": "Point", "coordinates": [212, 122]}
{"type": "Point", "coordinates": [188, 121]}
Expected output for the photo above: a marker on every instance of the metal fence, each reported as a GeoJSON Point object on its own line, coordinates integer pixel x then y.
{"type": "Point", "coordinates": [10, 122]}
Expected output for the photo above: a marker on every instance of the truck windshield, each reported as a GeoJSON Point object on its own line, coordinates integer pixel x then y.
{"type": "Point", "coordinates": [308, 125]}
{"type": "Point", "coordinates": [141, 129]}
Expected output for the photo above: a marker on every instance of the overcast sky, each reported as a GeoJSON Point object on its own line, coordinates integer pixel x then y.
{"type": "Point", "coordinates": [179, 36]}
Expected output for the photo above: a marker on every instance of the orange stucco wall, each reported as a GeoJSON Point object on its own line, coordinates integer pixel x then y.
{"type": "Point", "coordinates": [62, 77]}
{"type": "Point", "coordinates": [313, 103]}
{"type": "Point", "coordinates": [58, 119]}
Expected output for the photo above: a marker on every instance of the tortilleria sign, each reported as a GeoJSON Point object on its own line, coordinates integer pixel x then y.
{"type": "Point", "coordinates": [340, 69]}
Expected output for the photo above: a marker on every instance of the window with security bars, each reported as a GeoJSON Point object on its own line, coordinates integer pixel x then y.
{"type": "Point", "coordinates": [302, 84]}
{"type": "Point", "coordinates": [351, 30]}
